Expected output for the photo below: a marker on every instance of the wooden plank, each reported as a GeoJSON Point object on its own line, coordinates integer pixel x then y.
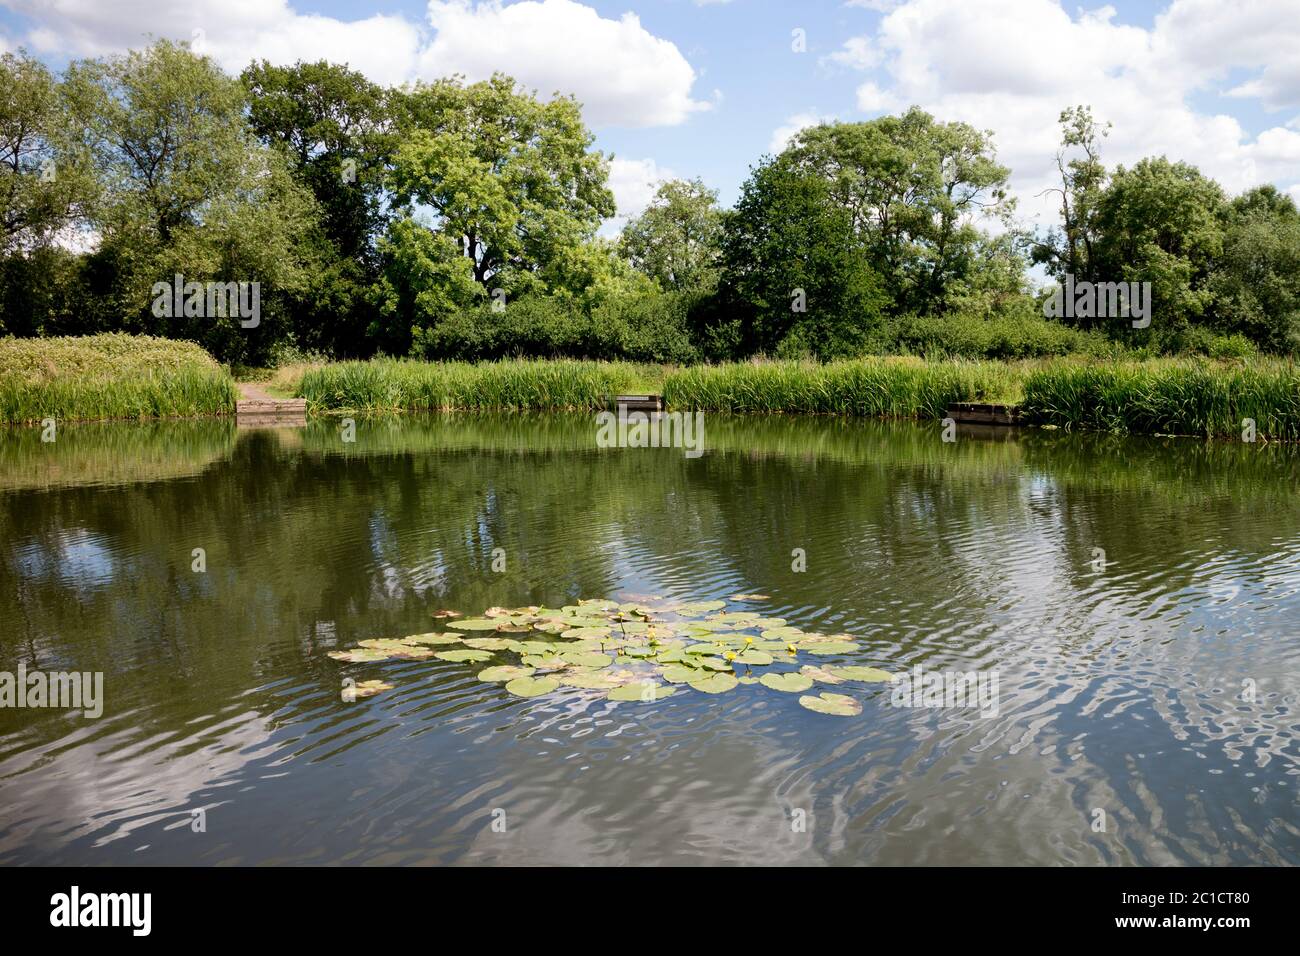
{"type": "Point", "coordinates": [640, 403]}
{"type": "Point", "coordinates": [980, 413]}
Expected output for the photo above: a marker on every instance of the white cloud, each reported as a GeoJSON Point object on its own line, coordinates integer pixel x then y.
{"type": "Point", "coordinates": [782, 135]}
{"type": "Point", "coordinates": [1011, 66]}
{"type": "Point", "coordinates": [633, 182]}
{"type": "Point", "coordinates": [621, 73]}
{"type": "Point", "coordinates": [857, 53]}
{"type": "Point", "coordinates": [872, 99]}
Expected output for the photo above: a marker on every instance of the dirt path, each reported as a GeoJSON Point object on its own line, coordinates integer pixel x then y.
{"type": "Point", "coordinates": [255, 393]}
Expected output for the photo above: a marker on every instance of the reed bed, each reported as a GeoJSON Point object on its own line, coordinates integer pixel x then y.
{"type": "Point", "coordinates": [1174, 397]}
{"type": "Point", "coordinates": [876, 388]}
{"type": "Point", "coordinates": [533, 384]}
{"type": "Point", "coordinates": [109, 376]}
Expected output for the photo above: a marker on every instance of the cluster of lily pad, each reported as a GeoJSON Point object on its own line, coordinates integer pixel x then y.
{"type": "Point", "coordinates": [634, 651]}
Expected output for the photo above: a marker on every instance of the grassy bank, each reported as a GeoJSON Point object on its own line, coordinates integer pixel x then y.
{"type": "Point", "coordinates": [109, 376]}
{"type": "Point", "coordinates": [1171, 396]}
{"type": "Point", "coordinates": [121, 376]}
{"type": "Point", "coordinates": [403, 384]}
{"type": "Point", "coordinates": [874, 388]}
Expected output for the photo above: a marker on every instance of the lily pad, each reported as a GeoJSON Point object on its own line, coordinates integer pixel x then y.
{"type": "Point", "coordinates": [476, 624]}
{"type": "Point", "coordinates": [789, 681]}
{"type": "Point", "coordinates": [835, 704]}
{"type": "Point", "coordinates": [750, 597]}
{"type": "Point", "coordinates": [586, 659]}
{"type": "Point", "coordinates": [822, 674]}
{"type": "Point", "coordinates": [589, 679]}
{"type": "Point", "coordinates": [504, 672]}
{"type": "Point", "coordinates": [828, 647]}
{"type": "Point", "coordinates": [716, 683]}
{"type": "Point", "coordinates": [580, 633]}
{"type": "Point", "coordinates": [679, 674]}
{"type": "Point", "coordinates": [532, 686]}
{"type": "Point", "coordinates": [753, 657]}
{"type": "Point", "coordinates": [431, 638]}
{"type": "Point", "coordinates": [781, 633]}
{"type": "Point", "coordinates": [490, 643]}
{"type": "Point", "coordinates": [359, 655]}
{"type": "Point", "coordinates": [369, 688]}
{"type": "Point", "coordinates": [468, 654]}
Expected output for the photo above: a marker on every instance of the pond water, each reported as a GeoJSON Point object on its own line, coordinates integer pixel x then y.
{"type": "Point", "coordinates": [1137, 600]}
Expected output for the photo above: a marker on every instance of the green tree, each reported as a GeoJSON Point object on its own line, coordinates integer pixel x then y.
{"type": "Point", "coordinates": [794, 276]}
{"type": "Point", "coordinates": [1069, 250]}
{"type": "Point", "coordinates": [1256, 280]}
{"type": "Point", "coordinates": [333, 127]}
{"type": "Point", "coordinates": [43, 180]}
{"type": "Point", "coordinates": [511, 182]}
{"type": "Point", "coordinates": [676, 239]}
{"type": "Point", "coordinates": [913, 189]}
{"type": "Point", "coordinates": [184, 187]}
{"type": "Point", "coordinates": [1160, 222]}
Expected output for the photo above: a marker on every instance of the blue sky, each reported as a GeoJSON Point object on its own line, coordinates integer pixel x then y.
{"type": "Point", "coordinates": [695, 88]}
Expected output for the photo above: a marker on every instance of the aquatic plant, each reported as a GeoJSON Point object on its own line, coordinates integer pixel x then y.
{"type": "Point", "coordinates": [1179, 397]}
{"type": "Point", "coordinates": [633, 651]}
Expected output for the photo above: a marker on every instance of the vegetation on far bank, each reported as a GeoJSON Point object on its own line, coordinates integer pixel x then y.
{"type": "Point", "coordinates": [459, 221]}
{"type": "Point", "coordinates": [109, 376]}
{"type": "Point", "coordinates": [119, 376]}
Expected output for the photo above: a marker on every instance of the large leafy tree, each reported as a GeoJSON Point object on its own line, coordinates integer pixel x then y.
{"type": "Point", "coordinates": [44, 187]}
{"type": "Point", "coordinates": [1160, 222]}
{"type": "Point", "coordinates": [676, 239]}
{"type": "Point", "coordinates": [1256, 280]}
{"type": "Point", "coordinates": [333, 127]}
{"type": "Point", "coordinates": [913, 189]}
{"type": "Point", "coordinates": [510, 183]}
{"type": "Point", "coordinates": [794, 279]}
{"type": "Point", "coordinates": [1069, 249]}
{"type": "Point", "coordinates": [184, 187]}
{"type": "Point", "coordinates": [43, 178]}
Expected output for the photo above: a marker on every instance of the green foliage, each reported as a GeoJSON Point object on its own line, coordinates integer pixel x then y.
{"type": "Point", "coordinates": [43, 177]}
{"type": "Point", "coordinates": [883, 388]}
{"type": "Point", "coordinates": [790, 272]}
{"type": "Point", "coordinates": [184, 188]}
{"type": "Point", "coordinates": [912, 188]}
{"type": "Point", "coordinates": [1023, 336]}
{"type": "Point", "coordinates": [1185, 397]}
{"type": "Point", "coordinates": [333, 128]}
{"type": "Point", "coordinates": [675, 240]}
{"type": "Point", "coordinates": [402, 384]}
{"type": "Point", "coordinates": [109, 376]}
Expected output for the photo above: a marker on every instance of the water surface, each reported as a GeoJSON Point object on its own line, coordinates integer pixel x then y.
{"type": "Point", "coordinates": [1121, 688]}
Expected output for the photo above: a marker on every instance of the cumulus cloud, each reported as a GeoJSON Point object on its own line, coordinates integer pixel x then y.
{"type": "Point", "coordinates": [633, 182]}
{"type": "Point", "coordinates": [622, 73]}
{"type": "Point", "coordinates": [783, 134]}
{"type": "Point", "coordinates": [1011, 66]}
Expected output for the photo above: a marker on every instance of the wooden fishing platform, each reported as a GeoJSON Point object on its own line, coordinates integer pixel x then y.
{"type": "Point", "coordinates": [260, 410]}
{"type": "Point", "coordinates": [978, 413]}
{"type": "Point", "coordinates": [640, 403]}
